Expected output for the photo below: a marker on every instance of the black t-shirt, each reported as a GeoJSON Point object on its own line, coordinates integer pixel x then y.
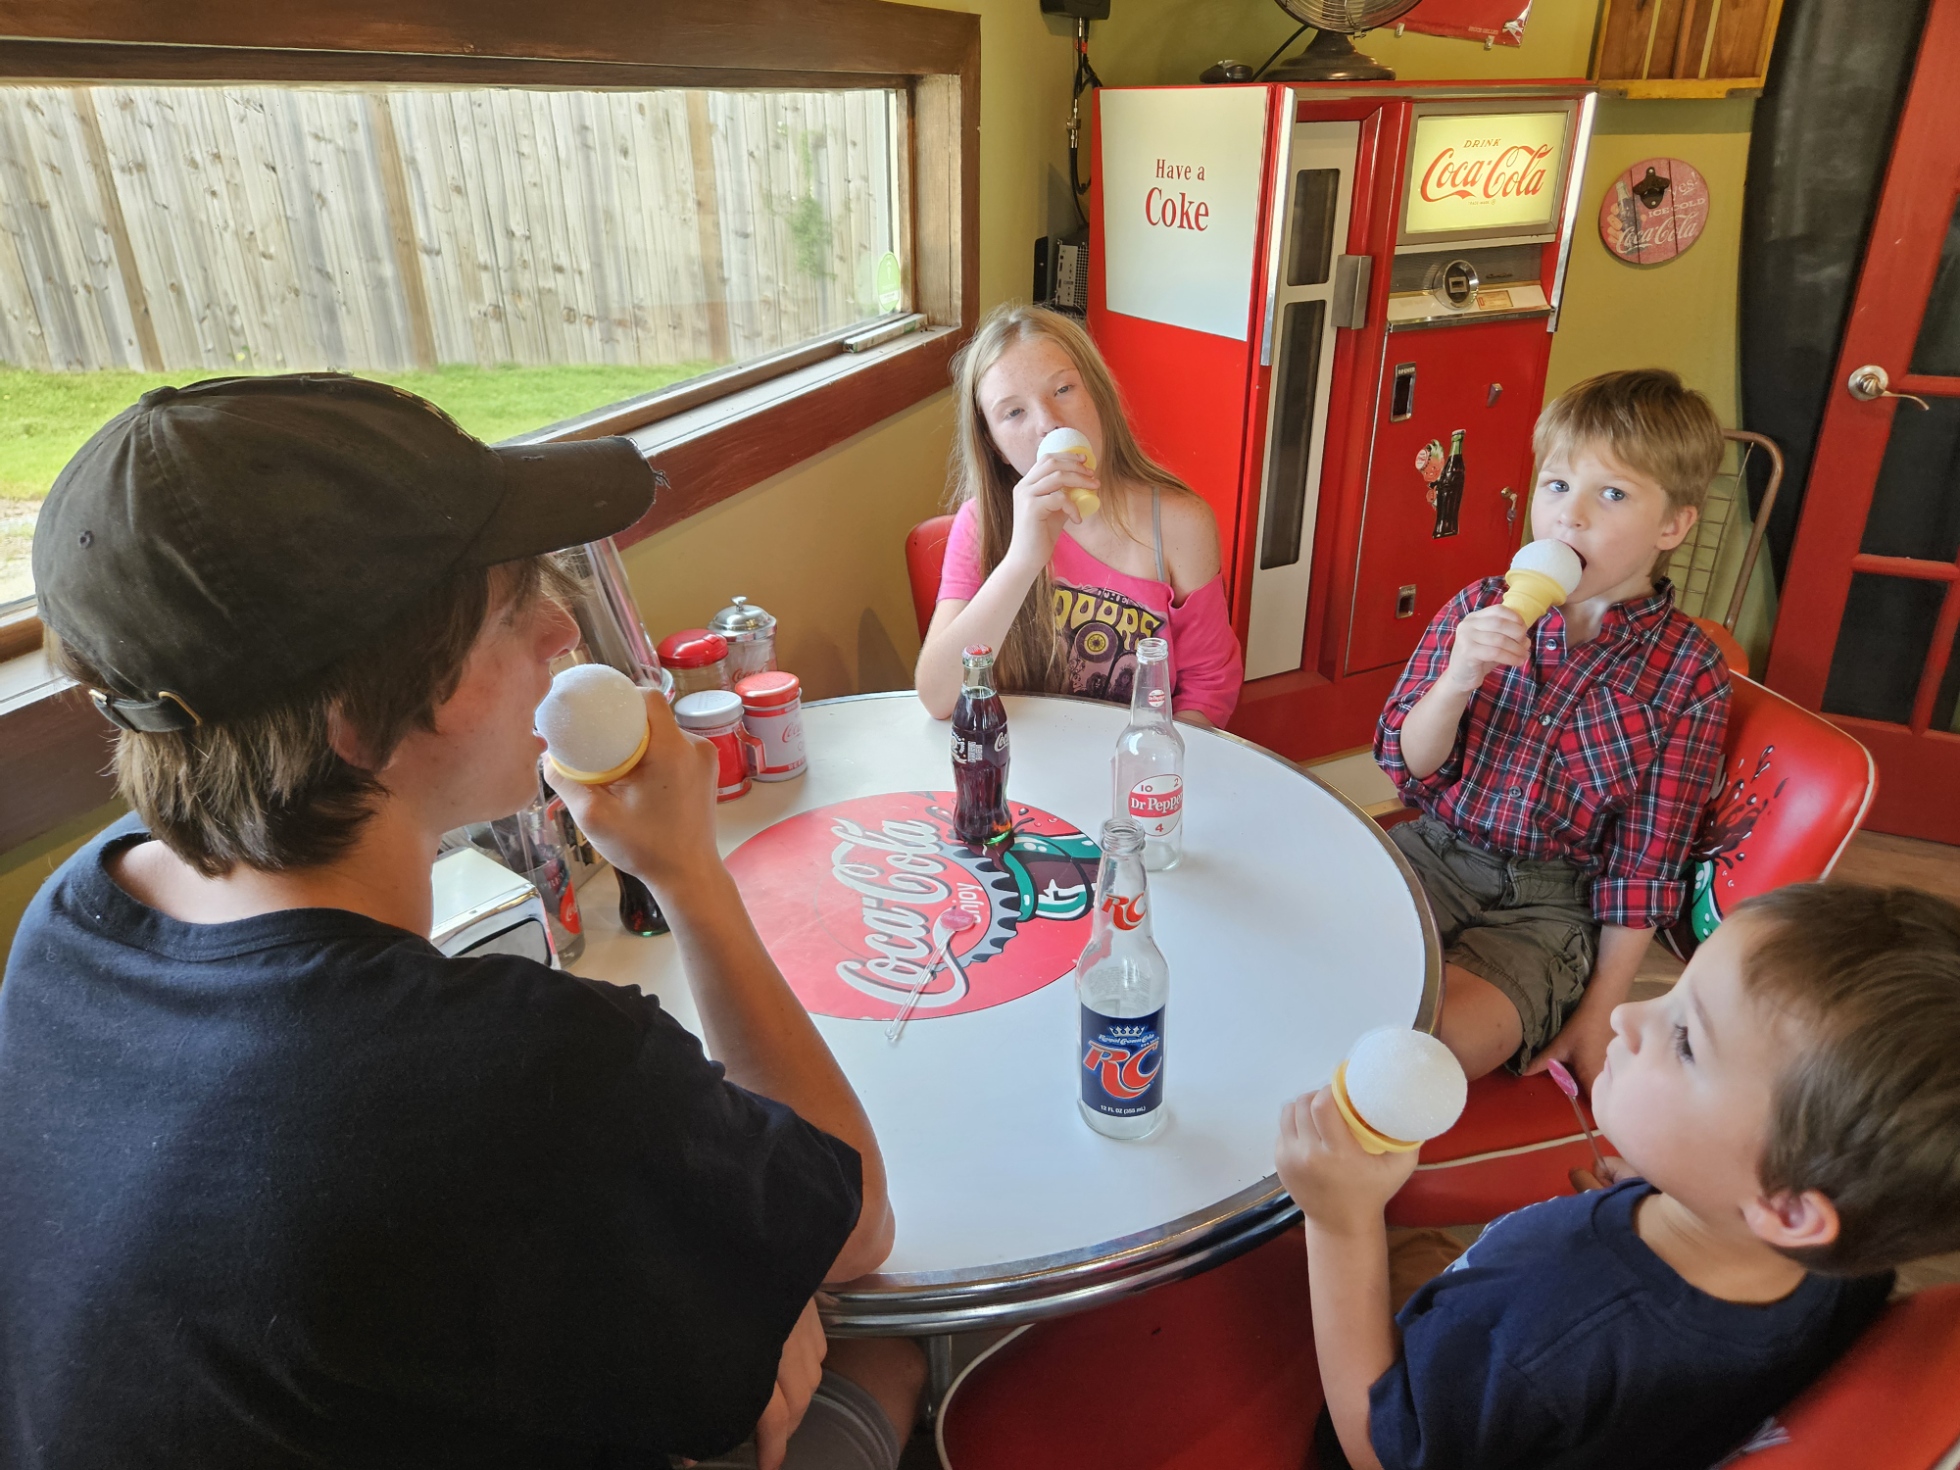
{"type": "Point", "coordinates": [1561, 1340]}
{"type": "Point", "coordinates": [300, 1190]}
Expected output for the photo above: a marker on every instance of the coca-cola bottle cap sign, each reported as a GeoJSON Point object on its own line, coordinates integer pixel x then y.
{"type": "Point", "coordinates": [1654, 211]}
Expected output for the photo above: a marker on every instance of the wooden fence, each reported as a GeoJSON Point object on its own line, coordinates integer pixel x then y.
{"type": "Point", "coordinates": [270, 228]}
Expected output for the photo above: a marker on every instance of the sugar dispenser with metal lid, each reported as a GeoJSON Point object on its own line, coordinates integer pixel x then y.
{"type": "Point", "coordinates": [751, 635]}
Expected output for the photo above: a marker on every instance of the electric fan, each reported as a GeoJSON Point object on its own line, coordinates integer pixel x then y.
{"type": "Point", "coordinates": [1330, 56]}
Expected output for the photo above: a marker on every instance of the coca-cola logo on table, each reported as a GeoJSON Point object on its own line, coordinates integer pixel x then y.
{"type": "Point", "coordinates": [1484, 171]}
{"type": "Point", "coordinates": [848, 899]}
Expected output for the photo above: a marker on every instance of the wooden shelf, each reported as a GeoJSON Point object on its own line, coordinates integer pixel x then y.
{"type": "Point", "coordinates": [1684, 48]}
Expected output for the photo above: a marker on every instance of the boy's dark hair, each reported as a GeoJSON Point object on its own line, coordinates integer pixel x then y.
{"type": "Point", "coordinates": [1869, 1113]}
{"type": "Point", "coordinates": [267, 790]}
{"type": "Point", "coordinates": [1652, 422]}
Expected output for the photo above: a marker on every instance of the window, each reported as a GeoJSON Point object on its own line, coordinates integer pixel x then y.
{"type": "Point", "coordinates": [518, 255]}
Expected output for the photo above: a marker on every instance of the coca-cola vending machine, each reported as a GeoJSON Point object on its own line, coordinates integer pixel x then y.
{"type": "Point", "coordinates": [1306, 292]}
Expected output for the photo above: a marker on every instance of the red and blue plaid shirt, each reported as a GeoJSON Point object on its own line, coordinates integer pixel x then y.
{"type": "Point", "coordinates": [1601, 756]}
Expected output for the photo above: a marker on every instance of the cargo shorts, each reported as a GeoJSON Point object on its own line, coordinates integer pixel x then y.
{"type": "Point", "coordinates": [1525, 925]}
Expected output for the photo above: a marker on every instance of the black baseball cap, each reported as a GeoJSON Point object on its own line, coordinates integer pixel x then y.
{"type": "Point", "coordinates": [216, 545]}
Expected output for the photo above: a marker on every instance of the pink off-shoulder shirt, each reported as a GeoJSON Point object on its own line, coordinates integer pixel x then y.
{"type": "Point", "coordinates": [1101, 613]}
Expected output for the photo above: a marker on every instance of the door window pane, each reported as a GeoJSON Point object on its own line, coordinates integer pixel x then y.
{"type": "Point", "coordinates": [1916, 498]}
{"type": "Point", "coordinates": [1316, 194]}
{"type": "Point", "coordinates": [519, 256]}
{"type": "Point", "coordinates": [1937, 353]}
{"type": "Point", "coordinates": [1882, 647]}
{"type": "Point", "coordinates": [1293, 401]}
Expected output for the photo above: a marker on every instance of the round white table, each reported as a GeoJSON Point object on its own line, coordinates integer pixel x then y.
{"type": "Point", "coordinates": [1291, 926]}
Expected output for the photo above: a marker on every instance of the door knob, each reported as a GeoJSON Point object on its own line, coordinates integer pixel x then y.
{"type": "Point", "coordinates": [1511, 497]}
{"type": "Point", "coordinates": [1872, 382]}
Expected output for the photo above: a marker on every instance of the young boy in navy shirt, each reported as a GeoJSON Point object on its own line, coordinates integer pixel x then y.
{"type": "Point", "coordinates": [1789, 1116]}
{"type": "Point", "coordinates": [1561, 769]}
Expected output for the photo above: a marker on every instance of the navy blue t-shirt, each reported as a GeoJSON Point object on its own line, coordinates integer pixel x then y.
{"type": "Point", "coordinates": [1560, 1340]}
{"type": "Point", "coordinates": [300, 1190]}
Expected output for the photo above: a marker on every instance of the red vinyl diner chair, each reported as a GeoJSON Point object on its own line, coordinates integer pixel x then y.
{"type": "Point", "coordinates": [1216, 1371]}
{"type": "Point", "coordinates": [1887, 1404]}
{"type": "Point", "coordinates": [1219, 1371]}
{"type": "Point", "coordinates": [925, 554]}
{"type": "Point", "coordinates": [1794, 789]}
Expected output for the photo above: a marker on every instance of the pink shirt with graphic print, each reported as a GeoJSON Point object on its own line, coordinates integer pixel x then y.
{"type": "Point", "coordinates": [1101, 613]}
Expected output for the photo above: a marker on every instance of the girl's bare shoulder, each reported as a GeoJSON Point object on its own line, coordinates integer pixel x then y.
{"type": "Point", "coordinates": [1190, 541]}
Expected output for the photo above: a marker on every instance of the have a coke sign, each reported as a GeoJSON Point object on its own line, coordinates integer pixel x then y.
{"type": "Point", "coordinates": [1471, 172]}
{"type": "Point", "coordinates": [1180, 203]}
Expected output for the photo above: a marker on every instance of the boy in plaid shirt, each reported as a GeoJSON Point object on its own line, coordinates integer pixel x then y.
{"type": "Point", "coordinates": [1561, 769]}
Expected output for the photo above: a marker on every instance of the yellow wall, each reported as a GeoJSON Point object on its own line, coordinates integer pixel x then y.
{"type": "Point", "coordinates": [821, 545]}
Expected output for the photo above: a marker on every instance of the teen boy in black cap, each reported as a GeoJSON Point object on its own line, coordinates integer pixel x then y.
{"type": "Point", "coordinates": [279, 1183]}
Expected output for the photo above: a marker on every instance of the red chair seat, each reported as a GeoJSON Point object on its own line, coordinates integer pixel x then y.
{"type": "Point", "coordinates": [1207, 1373]}
{"type": "Point", "coordinates": [1516, 1142]}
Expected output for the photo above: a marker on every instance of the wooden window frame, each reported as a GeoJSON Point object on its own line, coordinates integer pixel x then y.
{"type": "Point", "coordinates": [53, 743]}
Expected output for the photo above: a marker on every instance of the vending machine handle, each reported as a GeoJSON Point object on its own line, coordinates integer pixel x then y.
{"type": "Point", "coordinates": [1282, 166]}
{"type": "Point", "coordinates": [1352, 275]}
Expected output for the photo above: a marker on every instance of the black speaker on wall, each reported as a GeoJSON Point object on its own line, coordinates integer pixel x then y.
{"type": "Point", "coordinates": [1817, 155]}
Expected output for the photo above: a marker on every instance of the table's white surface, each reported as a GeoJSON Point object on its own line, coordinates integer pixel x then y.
{"type": "Point", "coordinates": [1289, 929]}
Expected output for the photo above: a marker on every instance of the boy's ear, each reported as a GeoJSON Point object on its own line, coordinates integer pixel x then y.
{"type": "Point", "coordinates": [1793, 1221]}
{"type": "Point", "coordinates": [346, 740]}
{"type": "Point", "coordinates": [1675, 529]}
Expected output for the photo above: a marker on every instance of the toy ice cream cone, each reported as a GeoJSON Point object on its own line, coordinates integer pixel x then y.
{"type": "Point", "coordinates": [1543, 574]}
{"type": "Point", "coordinates": [600, 778]}
{"type": "Point", "coordinates": [1072, 441]}
{"type": "Point", "coordinates": [1371, 1140]}
{"type": "Point", "coordinates": [1398, 1088]}
{"type": "Point", "coordinates": [594, 722]}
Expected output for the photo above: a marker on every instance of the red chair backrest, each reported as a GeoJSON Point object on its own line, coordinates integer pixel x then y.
{"type": "Point", "coordinates": [1794, 788]}
{"type": "Point", "coordinates": [1888, 1404]}
{"type": "Point", "coordinates": [925, 554]}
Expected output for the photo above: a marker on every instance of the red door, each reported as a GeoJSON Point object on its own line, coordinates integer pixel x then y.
{"type": "Point", "coordinates": [1871, 604]}
{"type": "Point", "coordinates": [1487, 379]}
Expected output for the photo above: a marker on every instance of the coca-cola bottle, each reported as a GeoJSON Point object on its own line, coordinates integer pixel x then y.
{"type": "Point", "coordinates": [1121, 986]}
{"type": "Point", "coordinates": [980, 754]}
{"type": "Point", "coordinates": [638, 911]}
{"type": "Point", "coordinates": [1449, 489]}
{"type": "Point", "coordinates": [1148, 767]}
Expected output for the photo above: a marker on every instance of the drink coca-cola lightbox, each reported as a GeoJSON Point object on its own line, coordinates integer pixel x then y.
{"type": "Point", "coordinates": [1483, 175]}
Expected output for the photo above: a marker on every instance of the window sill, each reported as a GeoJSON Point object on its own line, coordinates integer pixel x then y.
{"type": "Point", "coordinates": [55, 747]}
{"type": "Point", "coordinates": [733, 443]}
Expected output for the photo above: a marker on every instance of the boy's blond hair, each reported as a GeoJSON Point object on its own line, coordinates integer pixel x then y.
{"type": "Point", "coordinates": [1649, 420]}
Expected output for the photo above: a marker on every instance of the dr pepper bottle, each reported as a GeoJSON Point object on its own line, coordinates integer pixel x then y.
{"type": "Point", "coordinates": [979, 753]}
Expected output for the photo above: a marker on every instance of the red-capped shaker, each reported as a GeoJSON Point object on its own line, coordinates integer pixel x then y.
{"type": "Point", "coordinates": [772, 708]}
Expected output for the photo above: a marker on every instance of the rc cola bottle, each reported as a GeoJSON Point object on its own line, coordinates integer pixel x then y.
{"type": "Point", "coordinates": [1121, 987]}
{"type": "Point", "coordinates": [980, 754]}
{"type": "Point", "coordinates": [1148, 768]}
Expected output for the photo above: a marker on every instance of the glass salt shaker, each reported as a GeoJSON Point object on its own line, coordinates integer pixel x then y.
{"type": "Point", "coordinates": [751, 635]}
{"type": "Point", "coordinates": [697, 659]}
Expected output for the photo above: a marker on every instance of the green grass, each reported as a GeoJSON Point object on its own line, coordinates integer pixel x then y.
{"type": "Point", "coordinates": [46, 417]}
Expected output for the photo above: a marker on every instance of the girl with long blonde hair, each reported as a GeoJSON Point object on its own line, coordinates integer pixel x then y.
{"type": "Point", "coordinates": [1061, 597]}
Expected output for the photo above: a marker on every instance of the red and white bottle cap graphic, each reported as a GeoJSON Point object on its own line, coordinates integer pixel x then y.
{"type": "Point", "coordinates": [848, 899]}
{"type": "Point", "coordinates": [1157, 804]}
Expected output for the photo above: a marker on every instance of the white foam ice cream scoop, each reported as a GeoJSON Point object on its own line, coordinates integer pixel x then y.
{"type": "Point", "coordinates": [1543, 574]}
{"type": "Point", "coordinates": [594, 723]}
{"type": "Point", "coordinates": [1075, 442]}
{"type": "Point", "coordinates": [1399, 1088]}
